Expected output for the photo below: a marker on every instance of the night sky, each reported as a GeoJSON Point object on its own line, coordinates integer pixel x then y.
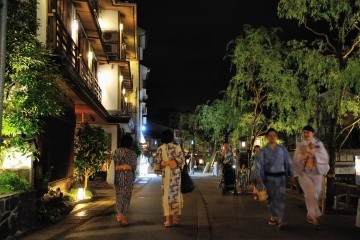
{"type": "Point", "coordinates": [186, 46]}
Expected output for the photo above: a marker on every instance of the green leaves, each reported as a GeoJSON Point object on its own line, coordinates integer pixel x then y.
{"type": "Point", "coordinates": [31, 91]}
{"type": "Point", "coordinates": [91, 144]}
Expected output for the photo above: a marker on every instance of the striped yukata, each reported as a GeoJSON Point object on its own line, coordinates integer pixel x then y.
{"type": "Point", "coordinates": [273, 166]}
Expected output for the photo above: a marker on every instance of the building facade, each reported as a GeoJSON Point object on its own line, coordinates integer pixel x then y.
{"type": "Point", "coordinates": [98, 47]}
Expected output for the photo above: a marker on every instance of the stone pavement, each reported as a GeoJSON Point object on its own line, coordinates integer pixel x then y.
{"type": "Point", "coordinates": [206, 215]}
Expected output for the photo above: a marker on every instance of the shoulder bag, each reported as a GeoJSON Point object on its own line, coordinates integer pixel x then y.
{"type": "Point", "coordinates": [187, 184]}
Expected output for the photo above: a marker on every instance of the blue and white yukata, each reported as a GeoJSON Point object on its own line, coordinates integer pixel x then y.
{"type": "Point", "coordinates": [273, 166]}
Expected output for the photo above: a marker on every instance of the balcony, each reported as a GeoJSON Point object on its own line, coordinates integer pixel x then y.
{"type": "Point", "coordinates": [87, 11]}
{"type": "Point", "coordinates": [60, 40]}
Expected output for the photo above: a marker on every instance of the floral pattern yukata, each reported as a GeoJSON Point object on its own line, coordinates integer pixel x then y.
{"type": "Point", "coordinates": [311, 175]}
{"type": "Point", "coordinates": [274, 166]}
{"type": "Point", "coordinates": [124, 179]}
{"type": "Point", "coordinates": [172, 199]}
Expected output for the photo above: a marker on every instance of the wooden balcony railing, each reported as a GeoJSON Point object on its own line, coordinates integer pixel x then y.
{"type": "Point", "coordinates": [61, 41]}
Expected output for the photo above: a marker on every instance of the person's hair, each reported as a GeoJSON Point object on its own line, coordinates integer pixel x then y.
{"type": "Point", "coordinates": [308, 128]}
{"type": "Point", "coordinates": [256, 146]}
{"type": "Point", "coordinates": [271, 130]}
{"type": "Point", "coordinates": [167, 136]}
{"type": "Point", "coordinates": [126, 141]}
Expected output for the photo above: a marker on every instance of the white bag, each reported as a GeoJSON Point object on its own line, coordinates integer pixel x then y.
{"type": "Point", "coordinates": [110, 175]}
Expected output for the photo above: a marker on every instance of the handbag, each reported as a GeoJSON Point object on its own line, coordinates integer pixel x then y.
{"type": "Point", "coordinates": [261, 192]}
{"type": "Point", "coordinates": [187, 184]}
{"type": "Point", "coordinates": [157, 169]}
{"type": "Point", "coordinates": [110, 174]}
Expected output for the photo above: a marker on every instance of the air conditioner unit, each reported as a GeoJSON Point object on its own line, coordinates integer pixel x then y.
{"type": "Point", "coordinates": [144, 111]}
{"type": "Point", "coordinates": [112, 48]}
{"type": "Point", "coordinates": [111, 36]}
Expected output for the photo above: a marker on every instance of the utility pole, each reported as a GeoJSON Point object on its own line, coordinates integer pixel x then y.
{"type": "Point", "coordinates": [3, 18]}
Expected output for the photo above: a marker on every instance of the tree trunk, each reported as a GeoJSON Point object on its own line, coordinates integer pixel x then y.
{"type": "Point", "coordinates": [332, 150]}
{"type": "Point", "coordinates": [86, 179]}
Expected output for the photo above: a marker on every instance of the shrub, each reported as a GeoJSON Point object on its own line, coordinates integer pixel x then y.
{"type": "Point", "coordinates": [12, 182]}
{"type": "Point", "coordinates": [53, 206]}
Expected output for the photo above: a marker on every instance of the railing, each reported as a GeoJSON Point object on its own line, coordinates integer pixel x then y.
{"type": "Point", "coordinates": [63, 44]}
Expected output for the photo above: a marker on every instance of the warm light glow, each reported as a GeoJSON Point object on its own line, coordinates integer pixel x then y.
{"type": "Point", "coordinates": [74, 25]}
{"type": "Point", "coordinates": [257, 142]}
{"type": "Point", "coordinates": [90, 56]}
{"type": "Point", "coordinates": [101, 22]}
{"type": "Point", "coordinates": [357, 165]}
{"type": "Point", "coordinates": [15, 159]}
{"type": "Point", "coordinates": [243, 144]}
{"type": "Point", "coordinates": [126, 99]}
{"type": "Point", "coordinates": [121, 27]}
{"type": "Point", "coordinates": [123, 91]}
{"type": "Point", "coordinates": [201, 161]}
{"type": "Point", "coordinates": [80, 194]}
{"type": "Point", "coordinates": [121, 78]}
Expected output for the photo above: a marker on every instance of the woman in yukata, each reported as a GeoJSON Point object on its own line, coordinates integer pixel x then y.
{"type": "Point", "coordinates": [311, 162]}
{"type": "Point", "coordinates": [171, 159]}
{"type": "Point", "coordinates": [125, 165]}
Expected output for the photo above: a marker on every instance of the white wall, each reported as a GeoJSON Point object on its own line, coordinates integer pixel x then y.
{"type": "Point", "coordinates": [41, 13]}
{"type": "Point", "coordinates": [109, 20]}
{"type": "Point", "coordinates": [112, 129]}
{"type": "Point", "coordinates": [109, 84]}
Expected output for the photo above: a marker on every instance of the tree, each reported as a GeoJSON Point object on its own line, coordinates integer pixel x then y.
{"type": "Point", "coordinates": [331, 62]}
{"type": "Point", "coordinates": [211, 122]}
{"type": "Point", "coordinates": [262, 87]}
{"type": "Point", "coordinates": [91, 144]}
{"type": "Point", "coordinates": [30, 90]}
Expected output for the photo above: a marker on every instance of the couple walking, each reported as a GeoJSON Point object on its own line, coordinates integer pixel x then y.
{"type": "Point", "coordinates": [171, 159]}
{"type": "Point", "coordinates": [273, 166]}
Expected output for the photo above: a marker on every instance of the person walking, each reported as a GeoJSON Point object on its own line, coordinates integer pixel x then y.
{"type": "Point", "coordinates": [252, 170]}
{"type": "Point", "coordinates": [125, 161]}
{"type": "Point", "coordinates": [311, 162]}
{"type": "Point", "coordinates": [273, 166]}
{"type": "Point", "coordinates": [171, 159]}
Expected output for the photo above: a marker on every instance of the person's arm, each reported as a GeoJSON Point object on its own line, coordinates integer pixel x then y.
{"type": "Point", "coordinates": [321, 157]}
{"type": "Point", "coordinates": [179, 157]}
{"type": "Point", "coordinates": [132, 160]}
{"type": "Point", "coordinates": [289, 168]}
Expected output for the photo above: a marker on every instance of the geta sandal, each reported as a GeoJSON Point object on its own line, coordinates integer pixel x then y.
{"type": "Point", "coordinates": [272, 222]}
{"type": "Point", "coordinates": [167, 224]}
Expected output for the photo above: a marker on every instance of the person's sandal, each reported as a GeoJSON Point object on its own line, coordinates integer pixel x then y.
{"type": "Point", "coordinates": [124, 222]}
{"type": "Point", "coordinates": [176, 222]}
{"type": "Point", "coordinates": [281, 224]}
{"type": "Point", "coordinates": [272, 222]}
{"type": "Point", "coordinates": [167, 224]}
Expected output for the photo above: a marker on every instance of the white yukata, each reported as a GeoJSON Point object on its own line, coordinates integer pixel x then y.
{"type": "Point", "coordinates": [310, 171]}
{"type": "Point", "coordinates": [172, 198]}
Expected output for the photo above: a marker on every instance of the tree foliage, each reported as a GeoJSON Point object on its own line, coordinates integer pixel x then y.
{"type": "Point", "coordinates": [329, 65]}
{"type": "Point", "coordinates": [30, 89]}
{"type": "Point", "coordinates": [91, 145]}
{"type": "Point", "coordinates": [263, 87]}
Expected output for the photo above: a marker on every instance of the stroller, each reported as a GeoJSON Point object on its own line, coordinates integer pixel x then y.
{"type": "Point", "coordinates": [228, 179]}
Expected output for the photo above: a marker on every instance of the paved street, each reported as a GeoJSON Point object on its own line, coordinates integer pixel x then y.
{"type": "Point", "coordinates": [206, 215]}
